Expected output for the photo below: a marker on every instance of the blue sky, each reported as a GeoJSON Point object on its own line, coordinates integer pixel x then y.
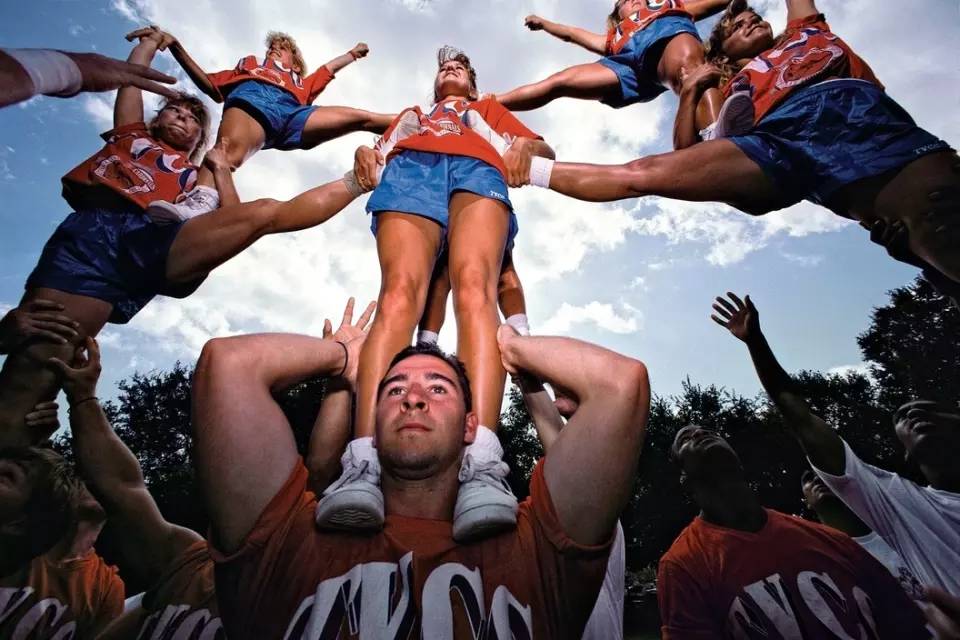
{"type": "Point", "coordinates": [636, 276]}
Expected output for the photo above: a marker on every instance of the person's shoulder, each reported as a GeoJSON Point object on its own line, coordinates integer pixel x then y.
{"type": "Point", "coordinates": [816, 21]}
{"type": "Point", "coordinates": [688, 544]}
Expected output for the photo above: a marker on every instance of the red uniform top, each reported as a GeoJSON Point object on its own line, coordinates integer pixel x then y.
{"type": "Point", "coordinates": [807, 53]}
{"type": "Point", "coordinates": [305, 90]}
{"type": "Point", "coordinates": [410, 580]}
{"type": "Point", "coordinates": [792, 580]}
{"type": "Point", "coordinates": [134, 165]}
{"type": "Point", "coordinates": [47, 599]}
{"type": "Point", "coordinates": [442, 131]}
{"type": "Point", "coordinates": [651, 10]}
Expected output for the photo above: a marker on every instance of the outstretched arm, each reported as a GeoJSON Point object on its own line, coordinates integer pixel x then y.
{"type": "Point", "coordinates": [591, 466]}
{"type": "Point", "coordinates": [244, 447]}
{"type": "Point", "coordinates": [821, 444]}
{"type": "Point", "coordinates": [797, 9]}
{"type": "Point", "coordinates": [192, 69]}
{"type": "Point", "coordinates": [149, 543]}
{"type": "Point", "coordinates": [129, 105]}
{"type": "Point", "coordinates": [543, 412]}
{"type": "Point", "coordinates": [593, 42]}
{"type": "Point", "coordinates": [701, 9]}
{"type": "Point", "coordinates": [359, 51]}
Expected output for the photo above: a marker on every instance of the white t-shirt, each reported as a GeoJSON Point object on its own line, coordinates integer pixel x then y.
{"type": "Point", "coordinates": [606, 621]}
{"type": "Point", "coordinates": [889, 558]}
{"type": "Point", "coordinates": [921, 524]}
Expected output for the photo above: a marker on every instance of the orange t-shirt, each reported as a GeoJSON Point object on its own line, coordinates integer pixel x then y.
{"type": "Point", "coordinates": [792, 580]}
{"type": "Point", "coordinates": [68, 599]}
{"type": "Point", "coordinates": [442, 131]}
{"type": "Point", "coordinates": [134, 165]}
{"type": "Point", "coordinates": [305, 90]}
{"type": "Point", "coordinates": [651, 10]}
{"type": "Point", "coordinates": [807, 53]}
{"type": "Point", "coordinates": [410, 580]}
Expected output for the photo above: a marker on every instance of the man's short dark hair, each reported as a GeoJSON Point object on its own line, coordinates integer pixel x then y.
{"type": "Point", "coordinates": [428, 349]}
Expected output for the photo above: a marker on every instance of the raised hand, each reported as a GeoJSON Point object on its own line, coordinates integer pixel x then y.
{"type": "Point", "coordinates": [43, 418]}
{"type": "Point", "coordinates": [352, 335]}
{"type": "Point", "coordinates": [79, 380]}
{"type": "Point", "coordinates": [700, 78]}
{"type": "Point", "coordinates": [216, 158]}
{"type": "Point", "coordinates": [534, 22]}
{"type": "Point", "coordinates": [36, 319]}
{"type": "Point", "coordinates": [505, 336]}
{"type": "Point", "coordinates": [737, 316]}
{"type": "Point", "coordinates": [366, 163]}
{"type": "Point", "coordinates": [101, 73]}
{"type": "Point", "coordinates": [360, 51]}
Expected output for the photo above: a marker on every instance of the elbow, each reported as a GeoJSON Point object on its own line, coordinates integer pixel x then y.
{"type": "Point", "coordinates": [630, 381]}
{"type": "Point", "coordinates": [222, 358]}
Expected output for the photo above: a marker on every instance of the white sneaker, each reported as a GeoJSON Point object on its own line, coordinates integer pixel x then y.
{"type": "Point", "coordinates": [735, 118]}
{"type": "Point", "coordinates": [196, 202]}
{"type": "Point", "coordinates": [485, 504]}
{"type": "Point", "coordinates": [354, 502]}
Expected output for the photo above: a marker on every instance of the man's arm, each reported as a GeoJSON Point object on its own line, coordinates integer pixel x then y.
{"type": "Point", "coordinates": [113, 474]}
{"type": "Point", "coordinates": [128, 107]}
{"type": "Point", "coordinates": [591, 467]}
{"type": "Point", "coordinates": [821, 444]}
{"type": "Point", "coordinates": [593, 42]}
{"type": "Point", "coordinates": [36, 319]}
{"type": "Point", "coordinates": [244, 447]}
{"type": "Point", "coordinates": [797, 9]}
{"type": "Point", "coordinates": [190, 67]}
{"type": "Point", "coordinates": [701, 9]}
{"type": "Point", "coordinates": [359, 51]}
{"type": "Point", "coordinates": [543, 412]}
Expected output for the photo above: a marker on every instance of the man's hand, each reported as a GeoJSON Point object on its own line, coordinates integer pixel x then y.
{"type": "Point", "coordinates": [366, 164]}
{"type": "Point", "coordinates": [44, 417]}
{"type": "Point", "coordinates": [80, 380]}
{"type": "Point", "coordinates": [352, 335]}
{"type": "Point", "coordinates": [360, 51]}
{"type": "Point", "coordinates": [101, 73]}
{"type": "Point", "coordinates": [701, 78]}
{"type": "Point", "coordinates": [943, 613]}
{"type": "Point", "coordinates": [506, 336]}
{"type": "Point", "coordinates": [534, 22]}
{"type": "Point", "coordinates": [153, 34]}
{"type": "Point", "coordinates": [216, 158]}
{"type": "Point", "coordinates": [36, 319]}
{"type": "Point", "coordinates": [740, 318]}
{"type": "Point", "coordinates": [517, 160]}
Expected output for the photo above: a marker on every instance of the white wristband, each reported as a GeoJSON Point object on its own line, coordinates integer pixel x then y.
{"type": "Point", "coordinates": [53, 73]}
{"type": "Point", "coordinates": [540, 170]}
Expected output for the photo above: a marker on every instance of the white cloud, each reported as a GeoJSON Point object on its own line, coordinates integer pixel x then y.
{"type": "Point", "coordinates": [847, 369]}
{"type": "Point", "coordinates": [602, 315]}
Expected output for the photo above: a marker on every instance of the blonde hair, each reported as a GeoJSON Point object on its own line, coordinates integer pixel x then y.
{"type": "Point", "coordinates": [286, 41]}
{"type": "Point", "coordinates": [447, 53]}
{"type": "Point", "coordinates": [197, 108]}
{"type": "Point", "coordinates": [721, 31]}
{"type": "Point", "coordinates": [614, 18]}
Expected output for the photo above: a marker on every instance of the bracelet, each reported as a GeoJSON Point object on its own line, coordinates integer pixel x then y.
{"type": "Point", "coordinates": [52, 73]}
{"type": "Point", "coordinates": [346, 359]}
{"type": "Point", "coordinates": [80, 402]}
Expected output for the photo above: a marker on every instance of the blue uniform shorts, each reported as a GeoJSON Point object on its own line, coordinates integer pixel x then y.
{"type": "Point", "coordinates": [636, 64]}
{"type": "Point", "coordinates": [119, 257]}
{"type": "Point", "coordinates": [832, 134]}
{"type": "Point", "coordinates": [422, 183]}
{"type": "Point", "coordinates": [277, 111]}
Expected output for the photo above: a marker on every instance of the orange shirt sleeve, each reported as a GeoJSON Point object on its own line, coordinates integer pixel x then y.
{"type": "Point", "coordinates": [221, 78]}
{"type": "Point", "coordinates": [316, 82]}
{"type": "Point", "coordinates": [503, 121]}
{"type": "Point", "coordinates": [112, 592]}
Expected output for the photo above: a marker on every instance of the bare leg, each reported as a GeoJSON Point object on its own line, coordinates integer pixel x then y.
{"type": "Point", "coordinates": [510, 290]}
{"type": "Point", "coordinates": [715, 171]}
{"type": "Point", "coordinates": [681, 56]}
{"type": "Point", "coordinates": [246, 137]}
{"type": "Point", "coordinates": [478, 234]}
{"type": "Point", "coordinates": [207, 241]}
{"type": "Point", "coordinates": [591, 81]}
{"type": "Point", "coordinates": [407, 246]}
{"type": "Point", "coordinates": [435, 311]}
{"type": "Point", "coordinates": [905, 196]}
{"type": "Point", "coordinates": [327, 123]}
{"type": "Point", "coordinates": [26, 380]}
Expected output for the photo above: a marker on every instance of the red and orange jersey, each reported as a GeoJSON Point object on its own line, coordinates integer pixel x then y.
{"type": "Point", "coordinates": [134, 165]}
{"type": "Point", "coordinates": [807, 53]}
{"type": "Point", "coordinates": [443, 131]}
{"type": "Point", "coordinates": [650, 10]}
{"type": "Point", "coordinates": [60, 599]}
{"type": "Point", "coordinates": [305, 90]}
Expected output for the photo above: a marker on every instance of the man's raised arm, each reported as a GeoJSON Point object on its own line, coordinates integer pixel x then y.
{"type": "Point", "coordinates": [591, 467]}
{"type": "Point", "coordinates": [244, 447]}
{"type": "Point", "coordinates": [821, 444]}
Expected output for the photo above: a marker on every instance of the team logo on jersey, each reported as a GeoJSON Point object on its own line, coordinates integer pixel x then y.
{"type": "Point", "coordinates": [812, 64]}
{"type": "Point", "coordinates": [444, 119]}
{"type": "Point", "coordinates": [129, 177]}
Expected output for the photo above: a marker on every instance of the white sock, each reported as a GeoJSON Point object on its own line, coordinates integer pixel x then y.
{"type": "Point", "coordinates": [540, 170]}
{"type": "Point", "coordinates": [428, 337]}
{"type": "Point", "coordinates": [486, 446]}
{"type": "Point", "coordinates": [52, 73]}
{"type": "Point", "coordinates": [519, 322]}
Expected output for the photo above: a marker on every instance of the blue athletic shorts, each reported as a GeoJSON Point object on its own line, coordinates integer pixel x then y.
{"type": "Point", "coordinates": [277, 111]}
{"type": "Point", "coordinates": [119, 257]}
{"type": "Point", "coordinates": [832, 134]}
{"type": "Point", "coordinates": [422, 183]}
{"type": "Point", "coordinates": [636, 64]}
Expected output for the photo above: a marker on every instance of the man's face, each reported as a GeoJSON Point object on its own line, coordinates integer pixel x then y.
{"type": "Point", "coordinates": [280, 53]}
{"type": "Point", "coordinates": [929, 431]}
{"type": "Point", "coordinates": [816, 493]}
{"type": "Point", "coordinates": [422, 422]}
{"type": "Point", "coordinates": [453, 79]}
{"type": "Point", "coordinates": [750, 35]}
{"type": "Point", "coordinates": [178, 126]}
{"type": "Point", "coordinates": [701, 451]}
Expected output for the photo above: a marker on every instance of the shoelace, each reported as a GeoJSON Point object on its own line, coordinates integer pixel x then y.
{"type": "Point", "coordinates": [353, 472]}
{"type": "Point", "coordinates": [492, 472]}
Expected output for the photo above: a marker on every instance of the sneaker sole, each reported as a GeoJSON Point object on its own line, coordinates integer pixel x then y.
{"type": "Point", "coordinates": [739, 113]}
{"type": "Point", "coordinates": [339, 512]}
{"type": "Point", "coordinates": [483, 521]}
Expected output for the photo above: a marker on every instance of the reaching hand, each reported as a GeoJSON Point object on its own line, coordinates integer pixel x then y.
{"type": "Point", "coordinates": [701, 78]}
{"type": "Point", "coordinates": [352, 335]}
{"type": "Point", "coordinates": [896, 240]}
{"type": "Point", "coordinates": [101, 73]}
{"type": "Point", "coordinates": [152, 33]}
{"type": "Point", "coordinates": [943, 613]}
{"type": "Point", "coordinates": [739, 317]}
{"type": "Point", "coordinates": [534, 22]}
{"type": "Point", "coordinates": [506, 335]}
{"type": "Point", "coordinates": [36, 319]}
{"type": "Point", "coordinates": [366, 164]}
{"type": "Point", "coordinates": [517, 161]}
{"type": "Point", "coordinates": [360, 51]}
{"type": "Point", "coordinates": [216, 158]}
{"type": "Point", "coordinates": [80, 380]}
{"type": "Point", "coordinates": [43, 418]}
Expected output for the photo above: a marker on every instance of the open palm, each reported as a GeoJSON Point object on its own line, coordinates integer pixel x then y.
{"type": "Point", "coordinates": [738, 316]}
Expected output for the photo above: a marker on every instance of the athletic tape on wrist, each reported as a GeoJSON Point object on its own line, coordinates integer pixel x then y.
{"type": "Point", "coordinates": [53, 73]}
{"type": "Point", "coordinates": [352, 185]}
{"type": "Point", "coordinates": [540, 170]}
